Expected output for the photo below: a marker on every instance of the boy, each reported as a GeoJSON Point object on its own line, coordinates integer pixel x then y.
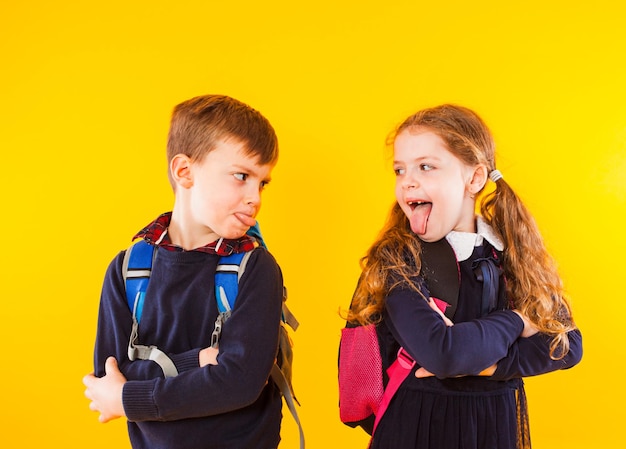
{"type": "Point", "coordinates": [221, 153]}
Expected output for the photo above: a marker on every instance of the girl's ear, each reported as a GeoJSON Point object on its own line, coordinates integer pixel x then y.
{"type": "Point", "coordinates": [478, 179]}
{"type": "Point", "coordinates": [180, 167]}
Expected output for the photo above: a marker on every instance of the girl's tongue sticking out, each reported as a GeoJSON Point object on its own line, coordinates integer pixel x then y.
{"type": "Point", "coordinates": [419, 216]}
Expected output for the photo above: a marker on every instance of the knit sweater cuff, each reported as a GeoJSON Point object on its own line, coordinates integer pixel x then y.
{"type": "Point", "coordinates": [186, 360]}
{"type": "Point", "coordinates": [138, 401]}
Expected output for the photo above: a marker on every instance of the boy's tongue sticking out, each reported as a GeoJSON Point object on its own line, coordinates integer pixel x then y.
{"type": "Point", "coordinates": [419, 216]}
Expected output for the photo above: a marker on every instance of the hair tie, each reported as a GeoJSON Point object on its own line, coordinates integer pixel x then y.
{"type": "Point", "coordinates": [495, 175]}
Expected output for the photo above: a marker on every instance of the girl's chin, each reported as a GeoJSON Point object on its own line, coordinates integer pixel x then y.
{"type": "Point", "coordinates": [428, 237]}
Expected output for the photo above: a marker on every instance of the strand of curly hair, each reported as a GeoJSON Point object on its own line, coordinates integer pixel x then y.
{"type": "Point", "coordinates": [533, 282]}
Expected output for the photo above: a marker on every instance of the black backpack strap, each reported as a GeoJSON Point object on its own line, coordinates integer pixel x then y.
{"type": "Point", "coordinates": [488, 271]}
{"type": "Point", "coordinates": [440, 270]}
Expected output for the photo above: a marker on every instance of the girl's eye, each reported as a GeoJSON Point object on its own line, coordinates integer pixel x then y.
{"type": "Point", "coordinates": [263, 185]}
{"type": "Point", "coordinates": [241, 176]}
{"type": "Point", "coordinates": [426, 167]}
{"type": "Point", "coordinates": [398, 171]}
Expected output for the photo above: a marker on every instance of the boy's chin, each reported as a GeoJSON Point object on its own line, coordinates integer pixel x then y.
{"type": "Point", "coordinates": [234, 234]}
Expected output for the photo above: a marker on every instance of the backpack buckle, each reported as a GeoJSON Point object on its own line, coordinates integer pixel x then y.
{"type": "Point", "coordinates": [405, 360]}
{"type": "Point", "coordinates": [217, 331]}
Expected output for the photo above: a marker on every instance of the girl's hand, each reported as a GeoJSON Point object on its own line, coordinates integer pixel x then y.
{"type": "Point", "coordinates": [105, 393]}
{"type": "Point", "coordinates": [433, 305]}
{"type": "Point", "coordinates": [423, 372]}
{"type": "Point", "coordinates": [529, 328]}
{"type": "Point", "coordinates": [489, 371]}
{"type": "Point", "coordinates": [208, 356]}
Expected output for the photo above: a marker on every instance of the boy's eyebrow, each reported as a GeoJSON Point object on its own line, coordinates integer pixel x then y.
{"type": "Point", "coordinates": [250, 169]}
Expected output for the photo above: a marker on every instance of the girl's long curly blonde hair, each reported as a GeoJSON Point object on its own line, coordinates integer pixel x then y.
{"type": "Point", "coordinates": [533, 284]}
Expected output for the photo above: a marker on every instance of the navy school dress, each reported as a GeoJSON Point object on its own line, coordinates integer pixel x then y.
{"type": "Point", "coordinates": [469, 412]}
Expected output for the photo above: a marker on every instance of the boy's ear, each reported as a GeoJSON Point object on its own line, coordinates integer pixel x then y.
{"type": "Point", "coordinates": [478, 179]}
{"type": "Point", "coordinates": [180, 167]}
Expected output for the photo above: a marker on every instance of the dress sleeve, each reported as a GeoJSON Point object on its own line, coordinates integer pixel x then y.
{"type": "Point", "coordinates": [248, 347]}
{"type": "Point", "coordinates": [447, 351]}
{"type": "Point", "coordinates": [113, 332]}
{"type": "Point", "coordinates": [531, 357]}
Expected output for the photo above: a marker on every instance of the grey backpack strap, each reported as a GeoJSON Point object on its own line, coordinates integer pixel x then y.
{"type": "Point", "coordinates": [141, 352]}
{"type": "Point", "coordinates": [289, 317]}
{"type": "Point", "coordinates": [283, 385]}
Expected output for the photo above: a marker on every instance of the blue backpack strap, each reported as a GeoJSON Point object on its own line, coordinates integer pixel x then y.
{"type": "Point", "coordinates": [229, 270]}
{"type": "Point", "coordinates": [227, 280]}
{"type": "Point", "coordinates": [136, 270]}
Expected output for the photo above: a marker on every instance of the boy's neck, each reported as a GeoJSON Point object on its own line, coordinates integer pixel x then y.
{"type": "Point", "coordinates": [184, 234]}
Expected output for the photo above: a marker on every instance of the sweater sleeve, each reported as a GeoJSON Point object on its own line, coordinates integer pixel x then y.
{"type": "Point", "coordinates": [113, 333]}
{"type": "Point", "coordinates": [448, 351]}
{"type": "Point", "coordinates": [531, 357]}
{"type": "Point", "coordinates": [248, 348]}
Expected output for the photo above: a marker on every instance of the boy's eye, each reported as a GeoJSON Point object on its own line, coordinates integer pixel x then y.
{"type": "Point", "coordinates": [241, 176]}
{"type": "Point", "coordinates": [426, 167]}
{"type": "Point", "coordinates": [263, 184]}
{"type": "Point", "coordinates": [398, 171]}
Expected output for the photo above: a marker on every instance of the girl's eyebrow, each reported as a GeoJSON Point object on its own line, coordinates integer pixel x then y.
{"type": "Point", "coordinates": [419, 159]}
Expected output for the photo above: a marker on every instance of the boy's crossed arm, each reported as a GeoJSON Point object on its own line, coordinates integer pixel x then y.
{"type": "Point", "coordinates": [105, 393]}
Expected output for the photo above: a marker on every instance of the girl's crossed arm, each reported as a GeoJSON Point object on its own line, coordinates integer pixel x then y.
{"type": "Point", "coordinates": [450, 351]}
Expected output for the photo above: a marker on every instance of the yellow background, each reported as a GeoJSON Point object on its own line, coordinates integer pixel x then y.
{"type": "Point", "coordinates": [86, 90]}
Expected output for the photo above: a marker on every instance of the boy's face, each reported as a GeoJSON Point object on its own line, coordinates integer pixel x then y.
{"type": "Point", "coordinates": [225, 195]}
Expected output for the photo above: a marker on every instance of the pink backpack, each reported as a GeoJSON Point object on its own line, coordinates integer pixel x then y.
{"type": "Point", "coordinates": [363, 397]}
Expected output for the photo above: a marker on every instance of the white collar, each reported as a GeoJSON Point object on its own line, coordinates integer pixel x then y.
{"type": "Point", "coordinates": [463, 243]}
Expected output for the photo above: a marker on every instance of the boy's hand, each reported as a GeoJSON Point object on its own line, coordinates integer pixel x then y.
{"type": "Point", "coordinates": [105, 393]}
{"type": "Point", "coordinates": [208, 356]}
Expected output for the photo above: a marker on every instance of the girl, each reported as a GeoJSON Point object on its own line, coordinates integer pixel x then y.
{"type": "Point", "coordinates": [508, 318]}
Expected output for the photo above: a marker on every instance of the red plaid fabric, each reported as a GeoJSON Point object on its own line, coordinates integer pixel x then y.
{"type": "Point", "coordinates": [153, 233]}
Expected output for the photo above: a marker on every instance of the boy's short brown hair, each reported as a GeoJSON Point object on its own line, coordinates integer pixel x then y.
{"type": "Point", "coordinates": [198, 124]}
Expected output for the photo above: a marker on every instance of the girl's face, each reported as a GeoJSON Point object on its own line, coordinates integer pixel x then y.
{"type": "Point", "coordinates": [433, 187]}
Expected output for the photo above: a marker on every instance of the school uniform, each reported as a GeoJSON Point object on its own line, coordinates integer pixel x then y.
{"type": "Point", "coordinates": [229, 405]}
{"type": "Point", "coordinates": [468, 412]}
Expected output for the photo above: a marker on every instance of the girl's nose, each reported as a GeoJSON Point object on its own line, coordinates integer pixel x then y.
{"type": "Point", "coordinates": [410, 182]}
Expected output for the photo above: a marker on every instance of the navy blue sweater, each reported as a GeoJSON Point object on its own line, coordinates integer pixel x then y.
{"type": "Point", "coordinates": [469, 347]}
{"type": "Point", "coordinates": [229, 405]}
{"type": "Point", "coordinates": [475, 342]}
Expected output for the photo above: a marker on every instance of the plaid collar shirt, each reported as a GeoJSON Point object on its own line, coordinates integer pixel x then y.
{"type": "Point", "coordinates": [156, 234]}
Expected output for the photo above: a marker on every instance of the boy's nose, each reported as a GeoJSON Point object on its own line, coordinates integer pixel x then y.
{"type": "Point", "coordinates": [253, 198]}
